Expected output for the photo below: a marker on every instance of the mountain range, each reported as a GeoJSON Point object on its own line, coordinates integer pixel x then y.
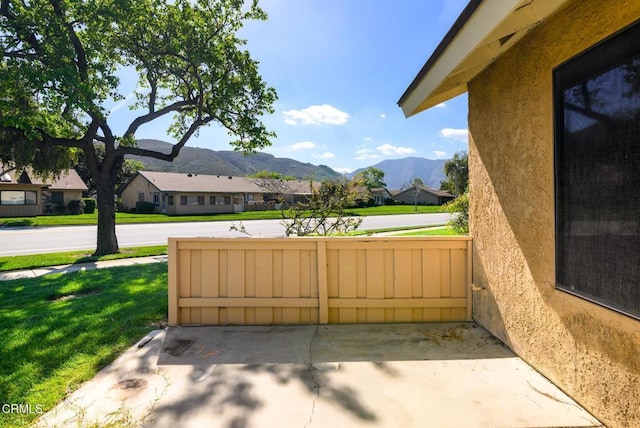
{"type": "Point", "coordinates": [227, 162]}
{"type": "Point", "coordinates": [398, 173]}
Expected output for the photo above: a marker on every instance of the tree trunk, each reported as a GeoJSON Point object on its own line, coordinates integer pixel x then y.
{"type": "Point", "coordinates": [107, 242]}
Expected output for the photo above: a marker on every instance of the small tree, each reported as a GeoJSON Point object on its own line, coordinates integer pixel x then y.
{"type": "Point", "coordinates": [325, 212]}
{"type": "Point", "coordinates": [417, 184]}
{"type": "Point", "coordinates": [459, 207]}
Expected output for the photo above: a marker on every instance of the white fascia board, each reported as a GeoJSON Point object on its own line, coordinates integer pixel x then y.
{"type": "Point", "coordinates": [489, 15]}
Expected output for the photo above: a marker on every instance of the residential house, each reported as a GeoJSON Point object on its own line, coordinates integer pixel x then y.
{"type": "Point", "coordinates": [422, 195]}
{"type": "Point", "coordinates": [380, 195]}
{"type": "Point", "coordinates": [184, 194]}
{"type": "Point", "coordinates": [22, 193]}
{"type": "Point", "coordinates": [554, 162]}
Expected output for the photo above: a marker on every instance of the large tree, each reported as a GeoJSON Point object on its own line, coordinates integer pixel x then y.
{"type": "Point", "coordinates": [457, 171]}
{"type": "Point", "coordinates": [59, 76]}
{"type": "Point", "coordinates": [372, 177]}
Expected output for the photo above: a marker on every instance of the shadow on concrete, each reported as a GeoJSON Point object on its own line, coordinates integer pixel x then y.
{"type": "Point", "coordinates": [334, 343]}
{"type": "Point", "coordinates": [226, 368]}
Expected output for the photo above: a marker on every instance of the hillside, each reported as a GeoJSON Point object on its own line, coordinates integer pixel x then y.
{"type": "Point", "coordinates": [226, 162]}
{"type": "Point", "coordinates": [399, 173]}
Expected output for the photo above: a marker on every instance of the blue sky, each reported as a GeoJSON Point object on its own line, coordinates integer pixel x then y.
{"type": "Point", "coordinates": [339, 67]}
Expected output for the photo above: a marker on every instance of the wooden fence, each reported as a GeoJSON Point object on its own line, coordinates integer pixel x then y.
{"type": "Point", "coordinates": [222, 281]}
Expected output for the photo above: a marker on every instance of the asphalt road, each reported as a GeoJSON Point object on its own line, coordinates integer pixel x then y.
{"type": "Point", "coordinates": [35, 240]}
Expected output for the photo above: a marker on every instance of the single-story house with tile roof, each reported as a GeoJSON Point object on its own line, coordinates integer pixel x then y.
{"type": "Point", "coordinates": [22, 193]}
{"type": "Point", "coordinates": [184, 194]}
{"type": "Point", "coordinates": [554, 165]}
{"type": "Point", "coordinates": [422, 195]}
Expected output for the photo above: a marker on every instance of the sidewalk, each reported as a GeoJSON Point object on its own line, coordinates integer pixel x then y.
{"type": "Point", "coordinates": [33, 273]}
{"type": "Point", "coordinates": [392, 375]}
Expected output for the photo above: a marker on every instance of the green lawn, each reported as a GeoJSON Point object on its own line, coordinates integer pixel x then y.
{"type": "Point", "coordinates": [441, 231]}
{"type": "Point", "coordinates": [58, 331]}
{"type": "Point", "coordinates": [126, 218]}
{"type": "Point", "coordinates": [31, 261]}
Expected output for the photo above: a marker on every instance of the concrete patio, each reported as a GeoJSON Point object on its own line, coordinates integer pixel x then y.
{"type": "Point", "coordinates": [392, 375]}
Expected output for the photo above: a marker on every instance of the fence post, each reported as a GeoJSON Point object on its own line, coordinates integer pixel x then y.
{"type": "Point", "coordinates": [174, 310]}
{"type": "Point", "coordinates": [323, 294]}
{"type": "Point", "coordinates": [469, 280]}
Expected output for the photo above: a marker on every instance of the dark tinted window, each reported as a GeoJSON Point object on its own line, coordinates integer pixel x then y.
{"type": "Point", "coordinates": [597, 171]}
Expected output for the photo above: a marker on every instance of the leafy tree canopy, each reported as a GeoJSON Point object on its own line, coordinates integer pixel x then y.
{"type": "Point", "coordinates": [372, 177]}
{"type": "Point", "coordinates": [271, 175]}
{"type": "Point", "coordinates": [457, 171]}
{"type": "Point", "coordinates": [59, 78]}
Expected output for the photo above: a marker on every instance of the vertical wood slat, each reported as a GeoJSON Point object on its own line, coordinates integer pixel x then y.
{"type": "Point", "coordinates": [291, 284]}
{"type": "Point", "coordinates": [323, 296]}
{"type": "Point", "coordinates": [469, 281]}
{"type": "Point", "coordinates": [367, 269]}
{"type": "Point", "coordinates": [375, 282]}
{"type": "Point", "coordinates": [195, 286]}
{"type": "Point", "coordinates": [347, 277]}
{"type": "Point", "coordinates": [210, 285]}
{"type": "Point", "coordinates": [264, 284]}
{"type": "Point", "coordinates": [173, 282]}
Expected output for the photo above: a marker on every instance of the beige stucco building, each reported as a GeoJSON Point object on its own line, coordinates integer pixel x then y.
{"type": "Point", "coordinates": [24, 194]}
{"type": "Point", "coordinates": [554, 104]}
{"type": "Point", "coordinates": [185, 194]}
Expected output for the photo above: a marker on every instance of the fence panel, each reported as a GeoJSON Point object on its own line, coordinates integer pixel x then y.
{"type": "Point", "coordinates": [221, 281]}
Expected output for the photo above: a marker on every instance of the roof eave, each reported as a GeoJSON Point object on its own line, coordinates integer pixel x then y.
{"type": "Point", "coordinates": [484, 31]}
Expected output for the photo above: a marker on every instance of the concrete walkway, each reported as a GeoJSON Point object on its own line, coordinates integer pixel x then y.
{"type": "Point", "coordinates": [392, 375]}
{"type": "Point", "coordinates": [33, 273]}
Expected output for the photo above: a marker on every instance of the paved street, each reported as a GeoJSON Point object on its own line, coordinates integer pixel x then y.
{"type": "Point", "coordinates": [18, 241]}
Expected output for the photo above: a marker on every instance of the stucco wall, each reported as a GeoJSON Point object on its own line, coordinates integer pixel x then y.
{"type": "Point", "coordinates": [139, 184]}
{"type": "Point", "coordinates": [590, 352]}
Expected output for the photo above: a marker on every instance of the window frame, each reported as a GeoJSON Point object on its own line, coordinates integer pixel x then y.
{"type": "Point", "coordinates": [609, 54]}
{"type": "Point", "coordinates": [24, 200]}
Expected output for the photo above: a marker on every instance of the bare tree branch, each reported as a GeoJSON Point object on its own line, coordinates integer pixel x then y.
{"type": "Point", "coordinates": [141, 120]}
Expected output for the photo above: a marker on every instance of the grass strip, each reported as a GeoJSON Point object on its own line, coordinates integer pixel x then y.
{"type": "Point", "coordinates": [438, 231]}
{"type": "Point", "coordinates": [31, 261]}
{"type": "Point", "coordinates": [58, 331]}
{"type": "Point", "coordinates": [126, 218]}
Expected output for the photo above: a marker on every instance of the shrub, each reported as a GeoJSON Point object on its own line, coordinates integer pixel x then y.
{"type": "Point", "coordinates": [89, 205]}
{"type": "Point", "coordinates": [459, 207]}
{"type": "Point", "coordinates": [60, 209]}
{"type": "Point", "coordinates": [145, 207]}
{"type": "Point", "coordinates": [76, 207]}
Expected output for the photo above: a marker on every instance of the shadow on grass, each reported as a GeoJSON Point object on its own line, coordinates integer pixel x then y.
{"type": "Point", "coordinates": [17, 222]}
{"type": "Point", "coordinates": [58, 331]}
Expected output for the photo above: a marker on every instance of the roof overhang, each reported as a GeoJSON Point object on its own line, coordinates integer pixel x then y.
{"type": "Point", "coordinates": [484, 30]}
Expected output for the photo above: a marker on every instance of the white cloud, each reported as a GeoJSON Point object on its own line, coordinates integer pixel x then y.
{"type": "Point", "coordinates": [439, 153]}
{"type": "Point", "coordinates": [365, 156]}
{"type": "Point", "coordinates": [455, 134]}
{"type": "Point", "coordinates": [367, 139]}
{"type": "Point", "coordinates": [325, 155]}
{"type": "Point", "coordinates": [315, 115]}
{"type": "Point", "coordinates": [388, 149]}
{"type": "Point", "coordinates": [304, 145]}
{"type": "Point", "coordinates": [383, 115]}
{"type": "Point", "coordinates": [441, 105]}
{"type": "Point", "coordinates": [343, 170]}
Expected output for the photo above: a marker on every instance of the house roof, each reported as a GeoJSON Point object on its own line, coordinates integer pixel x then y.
{"type": "Point", "coordinates": [188, 183]}
{"type": "Point", "coordinates": [484, 30]}
{"type": "Point", "coordinates": [67, 180]}
{"type": "Point", "coordinates": [424, 188]}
